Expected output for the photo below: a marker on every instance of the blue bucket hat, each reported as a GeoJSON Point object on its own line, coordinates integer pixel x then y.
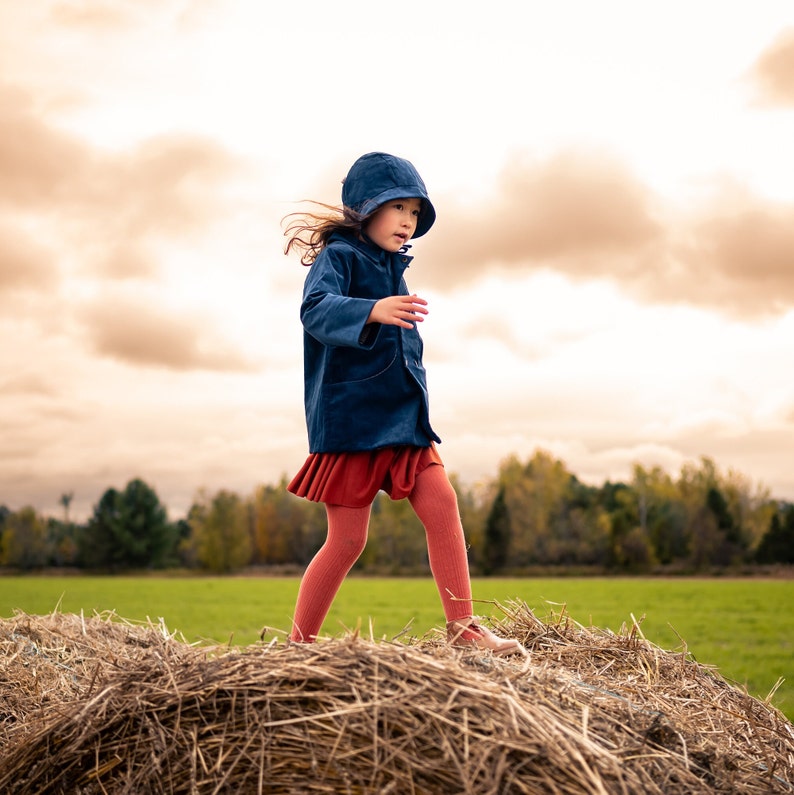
{"type": "Point", "coordinates": [377, 178]}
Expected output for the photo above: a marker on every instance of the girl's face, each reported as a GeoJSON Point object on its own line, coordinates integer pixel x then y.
{"type": "Point", "coordinates": [392, 224]}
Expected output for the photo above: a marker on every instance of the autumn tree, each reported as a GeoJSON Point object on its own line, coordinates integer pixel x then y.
{"type": "Point", "coordinates": [24, 540]}
{"type": "Point", "coordinates": [286, 529]}
{"type": "Point", "coordinates": [397, 539]}
{"type": "Point", "coordinates": [724, 517]}
{"type": "Point", "coordinates": [589, 527]}
{"type": "Point", "coordinates": [554, 518]}
{"type": "Point", "coordinates": [62, 542]}
{"type": "Point", "coordinates": [535, 495]}
{"type": "Point", "coordinates": [629, 546]}
{"type": "Point", "coordinates": [660, 512]}
{"type": "Point", "coordinates": [473, 508]}
{"type": "Point", "coordinates": [220, 531]}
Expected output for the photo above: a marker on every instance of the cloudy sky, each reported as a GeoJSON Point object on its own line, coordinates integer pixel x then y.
{"type": "Point", "coordinates": [611, 276]}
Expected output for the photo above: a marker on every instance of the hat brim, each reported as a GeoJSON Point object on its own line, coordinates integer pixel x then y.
{"type": "Point", "coordinates": [426, 218]}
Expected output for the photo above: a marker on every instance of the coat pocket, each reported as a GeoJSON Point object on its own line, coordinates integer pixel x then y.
{"type": "Point", "coordinates": [349, 365]}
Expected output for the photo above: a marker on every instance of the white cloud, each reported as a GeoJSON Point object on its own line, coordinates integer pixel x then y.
{"type": "Point", "coordinates": [635, 305]}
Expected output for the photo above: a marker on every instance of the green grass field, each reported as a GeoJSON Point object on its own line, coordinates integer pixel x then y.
{"type": "Point", "coordinates": [744, 627]}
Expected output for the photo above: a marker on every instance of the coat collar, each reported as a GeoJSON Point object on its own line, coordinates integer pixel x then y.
{"type": "Point", "coordinates": [372, 252]}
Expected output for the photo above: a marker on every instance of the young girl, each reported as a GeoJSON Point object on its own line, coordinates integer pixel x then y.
{"type": "Point", "coordinates": [366, 396]}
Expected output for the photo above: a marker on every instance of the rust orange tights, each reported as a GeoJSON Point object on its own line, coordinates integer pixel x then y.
{"type": "Point", "coordinates": [435, 503]}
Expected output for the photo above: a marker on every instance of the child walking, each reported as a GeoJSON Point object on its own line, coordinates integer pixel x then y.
{"type": "Point", "coordinates": [365, 392]}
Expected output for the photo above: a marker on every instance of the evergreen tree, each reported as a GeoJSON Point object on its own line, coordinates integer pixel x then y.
{"type": "Point", "coordinates": [496, 535]}
{"type": "Point", "coordinates": [730, 547]}
{"type": "Point", "coordinates": [128, 529]}
{"type": "Point", "coordinates": [777, 545]}
{"type": "Point", "coordinates": [5, 512]}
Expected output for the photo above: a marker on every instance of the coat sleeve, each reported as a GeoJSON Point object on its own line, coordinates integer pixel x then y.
{"type": "Point", "coordinates": [328, 312]}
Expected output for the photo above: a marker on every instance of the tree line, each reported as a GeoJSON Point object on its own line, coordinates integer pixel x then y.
{"type": "Point", "coordinates": [534, 515]}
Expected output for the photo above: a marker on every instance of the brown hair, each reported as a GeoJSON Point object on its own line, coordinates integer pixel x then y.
{"type": "Point", "coordinates": [309, 232]}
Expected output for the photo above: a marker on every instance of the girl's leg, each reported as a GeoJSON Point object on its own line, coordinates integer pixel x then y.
{"type": "Point", "coordinates": [347, 537]}
{"type": "Point", "coordinates": [436, 505]}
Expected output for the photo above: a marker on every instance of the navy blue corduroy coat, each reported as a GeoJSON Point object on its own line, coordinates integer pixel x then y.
{"type": "Point", "coordinates": [364, 384]}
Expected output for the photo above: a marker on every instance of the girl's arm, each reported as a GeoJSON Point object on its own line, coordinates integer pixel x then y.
{"type": "Point", "coordinates": [328, 313]}
{"type": "Point", "coordinates": [333, 317]}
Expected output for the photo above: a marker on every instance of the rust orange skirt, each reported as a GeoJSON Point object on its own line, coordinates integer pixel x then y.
{"type": "Point", "coordinates": [353, 479]}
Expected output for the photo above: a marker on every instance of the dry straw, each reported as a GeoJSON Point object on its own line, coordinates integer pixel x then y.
{"type": "Point", "coordinates": [102, 705]}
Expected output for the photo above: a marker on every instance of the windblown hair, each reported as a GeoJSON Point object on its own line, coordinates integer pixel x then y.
{"type": "Point", "coordinates": [309, 232]}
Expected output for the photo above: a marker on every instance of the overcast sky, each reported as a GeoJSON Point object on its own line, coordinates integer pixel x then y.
{"type": "Point", "coordinates": [611, 276]}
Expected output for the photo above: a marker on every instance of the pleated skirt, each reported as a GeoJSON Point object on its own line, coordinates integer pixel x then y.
{"type": "Point", "coordinates": [354, 479]}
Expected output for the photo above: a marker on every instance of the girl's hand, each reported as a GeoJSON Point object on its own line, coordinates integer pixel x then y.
{"type": "Point", "coordinates": [398, 310]}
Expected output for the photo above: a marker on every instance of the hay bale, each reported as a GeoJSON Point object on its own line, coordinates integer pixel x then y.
{"type": "Point", "coordinates": [46, 661]}
{"type": "Point", "coordinates": [128, 709]}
